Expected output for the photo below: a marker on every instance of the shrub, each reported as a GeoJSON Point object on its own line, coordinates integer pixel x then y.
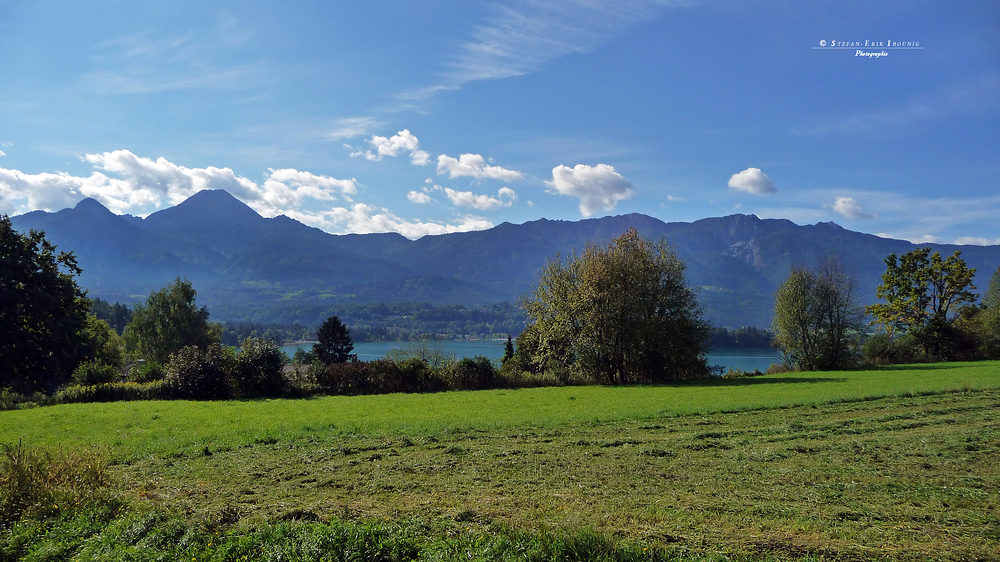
{"type": "Point", "coordinates": [90, 372]}
{"type": "Point", "coordinates": [146, 371]}
{"type": "Point", "coordinates": [112, 392]}
{"type": "Point", "coordinates": [10, 400]}
{"type": "Point", "coordinates": [259, 367]}
{"type": "Point", "coordinates": [378, 377]}
{"type": "Point", "coordinates": [201, 375]}
{"type": "Point", "coordinates": [472, 374]}
{"type": "Point", "coordinates": [733, 373]}
{"type": "Point", "coordinates": [881, 349]}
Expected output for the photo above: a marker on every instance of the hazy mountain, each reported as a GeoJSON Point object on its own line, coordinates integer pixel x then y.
{"type": "Point", "coordinates": [241, 262]}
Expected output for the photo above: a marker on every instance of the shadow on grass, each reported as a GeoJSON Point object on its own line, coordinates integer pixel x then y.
{"type": "Point", "coordinates": [745, 381]}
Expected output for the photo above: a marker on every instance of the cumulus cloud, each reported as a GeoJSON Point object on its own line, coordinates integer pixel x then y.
{"type": "Point", "coordinates": [849, 208]}
{"type": "Point", "coordinates": [752, 180]}
{"type": "Point", "coordinates": [126, 182]}
{"type": "Point", "coordinates": [403, 141]}
{"type": "Point", "coordinates": [363, 219]}
{"type": "Point", "coordinates": [599, 188]}
{"type": "Point", "coordinates": [474, 165]}
{"type": "Point", "coordinates": [505, 197]}
{"type": "Point", "coordinates": [418, 197]}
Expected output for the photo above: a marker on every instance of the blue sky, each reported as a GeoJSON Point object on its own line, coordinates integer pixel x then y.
{"type": "Point", "coordinates": [429, 117]}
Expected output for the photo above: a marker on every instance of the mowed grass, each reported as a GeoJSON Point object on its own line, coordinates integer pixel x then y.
{"type": "Point", "coordinates": [901, 463]}
{"type": "Point", "coordinates": [178, 428]}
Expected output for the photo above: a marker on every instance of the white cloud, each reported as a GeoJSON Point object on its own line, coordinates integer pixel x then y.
{"type": "Point", "coordinates": [481, 202]}
{"type": "Point", "coordinates": [523, 35]}
{"type": "Point", "coordinates": [752, 180]}
{"type": "Point", "coordinates": [403, 141]}
{"type": "Point", "coordinates": [2, 153]}
{"type": "Point", "coordinates": [418, 197]}
{"type": "Point", "coordinates": [363, 219]}
{"type": "Point", "coordinates": [474, 165]}
{"type": "Point", "coordinates": [599, 188]}
{"type": "Point", "coordinates": [674, 199]}
{"type": "Point", "coordinates": [351, 127]}
{"type": "Point", "coordinates": [976, 241]}
{"type": "Point", "coordinates": [849, 208]}
{"type": "Point", "coordinates": [144, 185]}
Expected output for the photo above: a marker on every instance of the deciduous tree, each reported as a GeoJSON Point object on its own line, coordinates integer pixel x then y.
{"type": "Point", "coordinates": [924, 294]}
{"type": "Point", "coordinates": [621, 313]}
{"type": "Point", "coordinates": [169, 321]}
{"type": "Point", "coordinates": [817, 322]}
{"type": "Point", "coordinates": [42, 311]}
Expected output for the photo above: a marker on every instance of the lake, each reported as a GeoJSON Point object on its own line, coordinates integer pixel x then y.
{"type": "Point", "coordinates": [745, 359]}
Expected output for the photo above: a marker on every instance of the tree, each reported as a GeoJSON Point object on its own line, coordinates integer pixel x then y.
{"type": "Point", "coordinates": [335, 344]}
{"type": "Point", "coordinates": [989, 318]}
{"type": "Point", "coordinates": [508, 351]}
{"type": "Point", "coordinates": [259, 368]}
{"type": "Point", "coordinates": [924, 294]}
{"type": "Point", "coordinates": [817, 323]}
{"type": "Point", "coordinates": [170, 320]}
{"type": "Point", "coordinates": [42, 311]}
{"type": "Point", "coordinates": [621, 313]}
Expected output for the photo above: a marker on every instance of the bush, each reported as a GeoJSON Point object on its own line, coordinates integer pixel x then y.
{"type": "Point", "coordinates": [112, 392]}
{"type": "Point", "coordinates": [90, 373]}
{"type": "Point", "coordinates": [377, 377]}
{"type": "Point", "coordinates": [741, 374]}
{"type": "Point", "coordinates": [146, 371]}
{"type": "Point", "coordinates": [881, 349]}
{"type": "Point", "coordinates": [472, 374]}
{"type": "Point", "coordinates": [259, 368]}
{"type": "Point", "coordinates": [201, 375]}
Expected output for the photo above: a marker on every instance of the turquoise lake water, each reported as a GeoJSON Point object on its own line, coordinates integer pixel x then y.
{"type": "Point", "coordinates": [746, 359]}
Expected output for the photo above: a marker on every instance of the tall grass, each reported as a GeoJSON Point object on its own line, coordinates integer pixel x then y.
{"type": "Point", "coordinates": [38, 482]}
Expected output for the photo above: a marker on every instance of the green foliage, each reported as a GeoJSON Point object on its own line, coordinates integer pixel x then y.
{"type": "Point", "coordinates": [817, 324]}
{"type": "Point", "coordinates": [334, 343]}
{"type": "Point", "coordinates": [170, 320]}
{"type": "Point", "coordinates": [112, 392]}
{"type": "Point", "coordinates": [146, 371]}
{"type": "Point", "coordinates": [924, 294]}
{"type": "Point", "coordinates": [201, 374]}
{"type": "Point", "coordinates": [91, 372]}
{"type": "Point", "coordinates": [472, 373]}
{"type": "Point", "coordinates": [102, 344]}
{"type": "Point", "coordinates": [117, 315]}
{"type": "Point", "coordinates": [42, 312]}
{"type": "Point", "coordinates": [617, 314]}
{"type": "Point", "coordinates": [259, 367]}
{"type": "Point", "coordinates": [989, 318]}
{"type": "Point", "coordinates": [382, 376]}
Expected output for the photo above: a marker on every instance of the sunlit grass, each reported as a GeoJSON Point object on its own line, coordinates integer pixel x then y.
{"type": "Point", "coordinates": [135, 429]}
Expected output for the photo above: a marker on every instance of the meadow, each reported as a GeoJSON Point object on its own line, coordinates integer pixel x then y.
{"type": "Point", "coordinates": [900, 463]}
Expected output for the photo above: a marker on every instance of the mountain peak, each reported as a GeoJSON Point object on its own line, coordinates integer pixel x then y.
{"type": "Point", "coordinates": [207, 207]}
{"type": "Point", "coordinates": [91, 206]}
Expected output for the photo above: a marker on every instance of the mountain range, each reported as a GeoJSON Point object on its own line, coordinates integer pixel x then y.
{"type": "Point", "coordinates": [245, 265]}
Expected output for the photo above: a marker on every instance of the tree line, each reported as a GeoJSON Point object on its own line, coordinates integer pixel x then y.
{"type": "Point", "coordinates": [930, 313]}
{"type": "Point", "coordinates": [618, 313]}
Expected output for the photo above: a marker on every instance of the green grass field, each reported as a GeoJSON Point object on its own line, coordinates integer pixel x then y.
{"type": "Point", "coordinates": [901, 463]}
{"type": "Point", "coordinates": [141, 429]}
